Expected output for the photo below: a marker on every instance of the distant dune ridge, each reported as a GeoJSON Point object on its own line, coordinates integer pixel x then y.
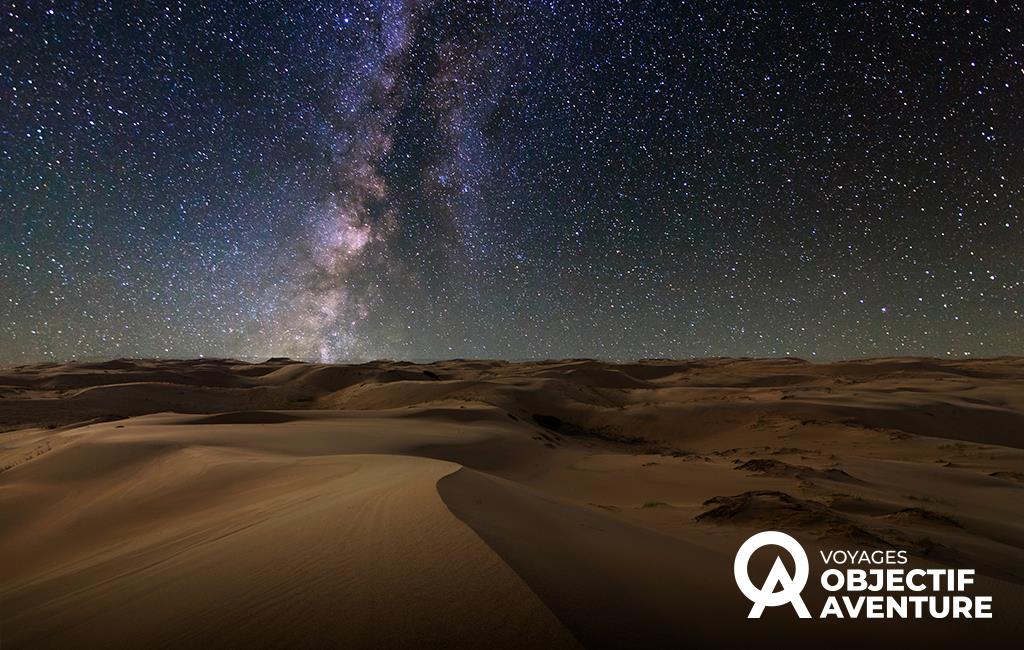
{"type": "Point", "coordinates": [217, 503]}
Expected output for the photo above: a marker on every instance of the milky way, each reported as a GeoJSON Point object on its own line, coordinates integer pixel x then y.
{"type": "Point", "coordinates": [350, 229]}
{"type": "Point", "coordinates": [508, 179]}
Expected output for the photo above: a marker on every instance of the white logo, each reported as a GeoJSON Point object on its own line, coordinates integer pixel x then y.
{"type": "Point", "coordinates": [766, 596]}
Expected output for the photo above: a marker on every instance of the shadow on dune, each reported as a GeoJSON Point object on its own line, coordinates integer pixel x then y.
{"type": "Point", "coordinates": [612, 584]}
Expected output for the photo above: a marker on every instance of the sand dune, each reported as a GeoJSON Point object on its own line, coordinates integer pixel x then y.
{"type": "Point", "coordinates": [128, 539]}
{"type": "Point", "coordinates": [218, 503]}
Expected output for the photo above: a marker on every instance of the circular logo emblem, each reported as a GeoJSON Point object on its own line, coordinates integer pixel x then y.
{"type": "Point", "coordinates": [779, 587]}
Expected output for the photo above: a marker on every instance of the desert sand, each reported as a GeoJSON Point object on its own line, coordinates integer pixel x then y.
{"type": "Point", "coordinates": [217, 503]}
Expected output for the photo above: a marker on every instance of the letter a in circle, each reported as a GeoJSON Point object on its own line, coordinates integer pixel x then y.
{"type": "Point", "coordinates": [789, 586]}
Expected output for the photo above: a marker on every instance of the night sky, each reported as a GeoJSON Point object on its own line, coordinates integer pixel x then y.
{"type": "Point", "coordinates": [516, 180]}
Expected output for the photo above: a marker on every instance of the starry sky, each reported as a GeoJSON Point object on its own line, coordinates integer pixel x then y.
{"type": "Point", "coordinates": [457, 178]}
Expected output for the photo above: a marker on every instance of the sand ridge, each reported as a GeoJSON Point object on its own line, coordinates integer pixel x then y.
{"type": "Point", "coordinates": [217, 545]}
